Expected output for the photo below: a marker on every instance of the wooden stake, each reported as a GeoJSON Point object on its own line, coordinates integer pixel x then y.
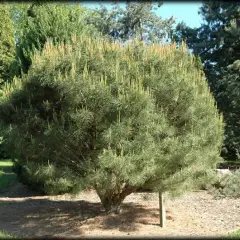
{"type": "Point", "coordinates": [162, 211]}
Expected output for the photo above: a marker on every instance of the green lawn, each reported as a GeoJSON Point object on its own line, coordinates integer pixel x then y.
{"type": "Point", "coordinates": [4, 235]}
{"type": "Point", "coordinates": [6, 165]}
{"type": "Point", "coordinates": [233, 162]}
{"type": "Point", "coordinates": [6, 176]}
{"type": "Point", "coordinates": [236, 234]}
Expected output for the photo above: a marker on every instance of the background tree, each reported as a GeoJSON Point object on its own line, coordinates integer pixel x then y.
{"type": "Point", "coordinates": [213, 42]}
{"type": "Point", "coordinates": [7, 43]}
{"type": "Point", "coordinates": [217, 43]}
{"type": "Point", "coordinates": [119, 116]}
{"type": "Point", "coordinates": [7, 54]}
{"type": "Point", "coordinates": [228, 97]}
{"type": "Point", "coordinates": [37, 22]}
{"type": "Point", "coordinates": [137, 20]}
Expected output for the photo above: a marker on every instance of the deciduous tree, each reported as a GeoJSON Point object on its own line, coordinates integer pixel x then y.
{"type": "Point", "coordinates": [137, 20]}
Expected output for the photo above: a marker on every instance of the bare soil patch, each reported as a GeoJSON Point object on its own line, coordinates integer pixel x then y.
{"type": "Point", "coordinates": [195, 214]}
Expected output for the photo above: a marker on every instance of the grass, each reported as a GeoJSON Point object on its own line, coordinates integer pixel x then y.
{"type": "Point", "coordinates": [4, 235]}
{"type": "Point", "coordinates": [231, 161]}
{"type": "Point", "coordinates": [236, 234]}
{"type": "Point", "coordinates": [6, 165]}
{"type": "Point", "coordinates": [6, 176]}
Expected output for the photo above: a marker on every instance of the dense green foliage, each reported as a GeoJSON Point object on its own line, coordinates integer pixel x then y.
{"type": "Point", "coordinates": [37, 22]}
{"type": "Point", "coordinates": [34, 23]}
{"type": "Point", "coordinates": [137, 20]}
{"type": "Point", "coordinates": [119, 116]}
{"type": "Point", "coordinates": [228, 97]}
{"type": "Point", "coordinates": [7, 53]}
{"type": "Point", "coordinates": [217, 43]}
{"type": "Point", "coordinates": [7, 43]}
{"type": "Point", "coordinates": [47, 179]}
{"type": "Point", "coordinates": [217, 40]}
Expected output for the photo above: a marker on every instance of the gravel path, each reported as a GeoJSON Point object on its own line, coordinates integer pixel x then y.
{"type": "Point", "coordinates": [194, 214]}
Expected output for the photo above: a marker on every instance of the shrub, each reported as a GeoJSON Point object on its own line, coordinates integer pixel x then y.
{"type": "Point", "coordinates": [227, 185]}
{"type": "Point", "coordinates": [120, 116]}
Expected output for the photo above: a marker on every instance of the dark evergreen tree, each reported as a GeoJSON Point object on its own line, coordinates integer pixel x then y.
{"type": "Point", "coordinates": [7, 54]}
{"type": "Point", "coordinates": [7, 43]}
{"type": "Point", "coordinates": [228, 97]}
{"type": "Point", "coordinates": [217, 43]}
{"type": "Point", "coordinates": [39, 21]}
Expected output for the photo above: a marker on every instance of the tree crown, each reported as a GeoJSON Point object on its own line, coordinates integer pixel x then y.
{"type": "Point", "coordinates": [121, 115]}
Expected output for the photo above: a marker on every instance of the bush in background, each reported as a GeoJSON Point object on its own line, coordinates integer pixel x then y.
{"type": "Point", "coordinates": [227, 185]}
{"type": "Point", "coordinates": [3, 153]}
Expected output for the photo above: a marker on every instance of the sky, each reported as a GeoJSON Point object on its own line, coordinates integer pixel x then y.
{"type": "Point", "coordinates": [181, 11]}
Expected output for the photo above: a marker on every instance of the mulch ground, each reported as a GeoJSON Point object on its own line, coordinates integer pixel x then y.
{"type": "Point", "coordinates": [23, 213]}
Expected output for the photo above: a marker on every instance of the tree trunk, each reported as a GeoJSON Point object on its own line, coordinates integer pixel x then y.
{"type": "Point", "coordinates": [112, 204]}
{"type": "Point", "coordinates": [112, 201]}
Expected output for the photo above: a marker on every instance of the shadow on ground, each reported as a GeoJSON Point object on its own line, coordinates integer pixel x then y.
{"type": "Point", "coordinates": [48, 218]}
{"type": "Point", "coordinates": [18, 190]}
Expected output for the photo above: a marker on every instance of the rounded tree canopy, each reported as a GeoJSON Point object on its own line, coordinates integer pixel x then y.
{"type": "Point", "coordinates": [122, 116]}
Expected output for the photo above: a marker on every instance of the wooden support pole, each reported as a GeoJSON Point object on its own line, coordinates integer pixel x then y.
{"type": "Point", "coordinates": [162, 210]}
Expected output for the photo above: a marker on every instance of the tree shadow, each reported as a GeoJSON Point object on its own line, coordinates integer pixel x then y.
{"type": "Point", "coordinates": [18, 190]}
{"type": "Point", "coordinates": [26, 213]}
{"type": "Point", "coordinates": [131, 217]}
{"type": "Point", "coordinates": [60, 218]}
{"type": "Point", "coordinates": [46, 218]}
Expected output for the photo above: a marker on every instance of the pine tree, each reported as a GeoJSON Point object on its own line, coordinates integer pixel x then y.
{"type": "Point", "coordinates": [121, 116]}
{"type": "Point", "coordinates": [228, 97]}
{"type": "Point", "coordinates": [217, 40]}
{"type": "Point", "coordinates": [7, 43]}
{"type": "Point", "coordinates": [217, 43]}
{"type": "Point", "coordinates": [7, 54]}
{"type": "Point", "coordinates": [37, 22]}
